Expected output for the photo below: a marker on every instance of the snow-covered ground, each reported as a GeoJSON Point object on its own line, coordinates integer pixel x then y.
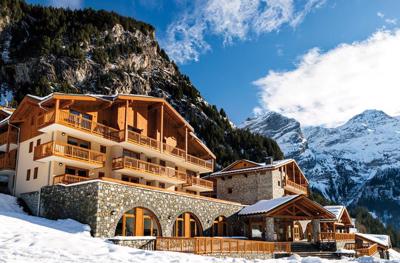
{"type": "Point", "coordinates": [25, 238]}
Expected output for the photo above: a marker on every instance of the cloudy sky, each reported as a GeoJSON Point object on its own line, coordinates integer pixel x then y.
{"type": "Point", "coordinates": [319, 61]}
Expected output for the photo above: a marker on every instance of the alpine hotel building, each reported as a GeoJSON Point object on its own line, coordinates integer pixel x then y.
{"type": "Point", "coordinates": [130, 165]}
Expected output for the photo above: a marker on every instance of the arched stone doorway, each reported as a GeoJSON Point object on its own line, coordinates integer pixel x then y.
{"type": "Point", "coordinates": [220, 227]}
{"type": "Point", "coordinates": [138, 221]}
{"type": "Point", "coordinates": [187, 225]}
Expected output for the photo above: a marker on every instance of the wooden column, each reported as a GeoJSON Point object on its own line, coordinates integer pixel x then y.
{"type": "Point", "coordinates": [126, 121]}
{"type": "Point", "coordinates": [186, 221]}
{"type": "Point", "coordinates": [293, 171]}
{"type": "Point", "coordinates": [186, 142]}
{"type": "Point", "coordinates": [57, 109]}
{"type": "Point", "coordinates": [8, 138]}
{"type": "Point", "coordinates": [162, 127]}
{"type": "Point", "coordinates": [139, 227]}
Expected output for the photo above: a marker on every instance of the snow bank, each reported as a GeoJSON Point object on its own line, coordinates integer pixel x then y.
{"type": "Point", "coordinates": [25, 238]}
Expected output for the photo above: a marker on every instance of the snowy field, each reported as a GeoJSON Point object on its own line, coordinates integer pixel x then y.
{"type": "Point", "coordinates": [26, 238]}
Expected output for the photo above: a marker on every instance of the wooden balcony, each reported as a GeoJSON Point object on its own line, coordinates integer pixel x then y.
{"type": "Point", "coordinates": [153, 147]}
{"type": "Point", "coordinates": [333, 236]}
{"type": "Point", "coordinates": [6, 138]}
{"type": "Point", "coordinates": [198, 184]}
{"type": "Point", "coordinates": [368, 251]}
{"type": "Point", "coordinates": [8, 161]}
{"type": "Point", "coordinates": [149, 171]}
{"type": "Point", "coordinates": [69, 179]}
{"type": "Point", "coordinates": [69, 154]}
{"type": "Point", "coordinates": [295, 188]}
{"type": "Point", "coordinates": [78, 126]}
{"type": "Point", "coordinates": [224, 246]}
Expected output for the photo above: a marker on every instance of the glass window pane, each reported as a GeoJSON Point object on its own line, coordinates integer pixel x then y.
{"type": "Point", "coordinates": [130, 226]}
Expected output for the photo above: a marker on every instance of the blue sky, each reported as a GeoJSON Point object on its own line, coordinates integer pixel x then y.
{"type": "Point", "coordinates": [282, 55]}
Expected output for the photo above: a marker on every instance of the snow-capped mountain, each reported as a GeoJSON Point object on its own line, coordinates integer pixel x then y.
{"type": "Point", "coordinates": [355, 163]}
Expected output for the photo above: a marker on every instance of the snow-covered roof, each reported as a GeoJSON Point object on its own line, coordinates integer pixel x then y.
{"type": "Point", "coordinates": [337, 210]}
{"type": "Point", "coordinates": [383, 240]}
{"type": "Point", "coordinates": [264, 206]}
{"type": "Point", "coordinates": [260, 166]}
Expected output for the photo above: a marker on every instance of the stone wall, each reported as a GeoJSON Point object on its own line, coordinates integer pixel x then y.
{"type": "Point", "coordinates": [143, 243]}
{"type": "Point", "coordinates": [31, 200]}
{"type": "Point", "coordinates": [101, 205]}
{"type": "Point", "coordinates": [248, 188]}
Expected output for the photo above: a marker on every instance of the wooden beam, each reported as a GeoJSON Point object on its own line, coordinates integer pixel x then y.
{"type": "Point", "coordinates": [57, 109]}
{"type": "Point", "coordinates": [139, 227]}
{"type": "Point", "coordinates": [8, 138]}
{"type": "Point", "coordinates": [126, 120]}
{"type": "Point", "coordinates": [162, 127]}
{"type": "Point", "coordinates": [186, 143]}
{"type": "Point", "coordinates": [187, 225]}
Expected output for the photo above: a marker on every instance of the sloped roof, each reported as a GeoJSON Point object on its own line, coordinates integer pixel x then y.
{"type": "Point", "coordinates": [383, 240]}
{"type": "Point", "coordinates": [337, 210]}
{"type": "Point", "coordinates": [265, 206]}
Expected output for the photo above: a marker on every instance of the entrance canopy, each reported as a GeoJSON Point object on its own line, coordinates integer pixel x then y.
{"type": "Point", "coordinates": [296, 207]}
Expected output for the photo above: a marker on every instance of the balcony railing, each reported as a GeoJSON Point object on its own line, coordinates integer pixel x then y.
{"type": "Point", "coordinates": [369, 251]}
{"type": "Point", "coordinates": [198, 161]}
{"type": "Point", "coordinates": [143, 140]}
{"type": "Point", "coordinates": [296, 187]}
{"type": "Point", "coordinates": [12, 138]}
{"type": "Point", "coordinates": [69, 179]}
{"type": "Point", "coordinates": [79, 123]}
{"type": "Point", "coordinates": [226, 246]}
{"type": "Point", "coordinates": [195, 181]}
{"type": "Point", "coordinates": [174, 151]}
{"type": "Point", "coordinates": [68, 151]}
{"type": "Point", "coordinates": [333, 236]}
{"type": "Point", "coordinates": [7, 160]}
{"type": "Point", "coordinates": [154, 169]}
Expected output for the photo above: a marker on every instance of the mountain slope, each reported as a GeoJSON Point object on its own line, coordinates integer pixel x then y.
{"type": "Point", "coordinates": [349, 164]}
{"type": "Point", "coordinates": [86, 51]}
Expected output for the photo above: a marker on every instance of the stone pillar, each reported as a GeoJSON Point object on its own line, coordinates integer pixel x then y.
{"type": "Point", "coordinates": [316, 226]}
{"type": "Point", "coordinates": [269, 229]}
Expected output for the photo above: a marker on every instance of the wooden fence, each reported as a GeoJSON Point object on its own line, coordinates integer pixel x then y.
{"type": "Point", "coordinates": [212, 245]}
{"type": "Point", "coordinates": [368, 251]}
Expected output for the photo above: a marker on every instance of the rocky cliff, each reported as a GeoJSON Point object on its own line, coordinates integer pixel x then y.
{"type": "Point", "coordinates": [86, 51]}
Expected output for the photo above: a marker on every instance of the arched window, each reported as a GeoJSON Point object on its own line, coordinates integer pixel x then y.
{"type": "Point", "coordinates": [220, 227]}
{"type": "Point", "coordinates": [186, 225]}
{"type": "Point", "coordinates": [138, 222]}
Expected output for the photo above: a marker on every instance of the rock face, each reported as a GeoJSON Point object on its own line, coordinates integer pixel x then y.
{"type": "Point", "coordinates": [45, 50]}
{"type": "Point", "coordinates": [356, 163]}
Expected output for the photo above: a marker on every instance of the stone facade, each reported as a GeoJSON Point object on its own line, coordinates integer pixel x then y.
{"type": "Point", "coordinates": [101, 205]}
{"type": "Point", "coordinates": [248, 188]}
{"type": "Point", "coordinates": [142, 243]}
{"type": "Point", "coordinates": [32, 201]}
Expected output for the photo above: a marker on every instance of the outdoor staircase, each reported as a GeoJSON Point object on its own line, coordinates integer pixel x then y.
{"type": "Point", "coordinates": [305, 249]}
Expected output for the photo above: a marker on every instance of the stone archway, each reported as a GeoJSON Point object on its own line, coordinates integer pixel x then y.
{"type": "Point", "coordinates": [187, 224]}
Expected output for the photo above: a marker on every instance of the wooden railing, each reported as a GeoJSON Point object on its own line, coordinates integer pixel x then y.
{"type": "Point", "coordinates": [174, 151]}
{"type": "Point", "coordinates": [68, 151]}
{"type": "Point", "coordinates": [369, 251]}
{"type": "Point", "coordinates": [296, 187]}
{"type": "Point", "coordinates": [143, 140]}
{"type": "Point", "coordinates": [139, 165]}
{"type": "Point", "coordinates": [198, 161]}
{"type": "Point", "coordinates": [332, 236]}
{"type": "Point", "coordinates": [191, 180]}
{"type": "Point", "coordinates": [209, 245]}
{"type": "Point", "coordinates": [8, 160]}
{"type": "Point", "coordinates": [69, 179]}
{"type": "Point", "coordinates": [79, 123]}
{"type": "Point", "coordinates": [12, 138]}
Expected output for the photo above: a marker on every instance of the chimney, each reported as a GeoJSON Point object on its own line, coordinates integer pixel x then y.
{"type": "Point", "coordinates": [269, 160]}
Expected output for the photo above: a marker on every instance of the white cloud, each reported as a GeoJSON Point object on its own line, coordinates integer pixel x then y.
{"type": "Point", "coordinates": [232, 20]}
{"type": "Point", "coordinates": [380, 14]}
{"type": "Point", "coordinates": [329, 88]}
{"type": "Point", "coordinates": [390, 21]}
{"type": "Point", "coordinates": [71, 4]}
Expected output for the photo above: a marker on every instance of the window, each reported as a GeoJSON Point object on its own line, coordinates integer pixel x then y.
{"type": "Point", "coordinates": [149, 183]}
{"type": "Point", "coordinates": [219, 227]}
{"type": "Point", "coordinates": [161, 185]}
{"type": "Point", "coordinates": [130, 179]}
{"type": "Point", "coordinates": [35, 173]}
{"type": "Point", "coordinates": [138, 222]}
{"type": "Point", "coordinates": [78, 142]}
{"type": "Point", "coordinates": [184, 222]}
{"type": "Point", "coordinates": [230, 190]}
{"type": "Point", "coordinates": [149, 160]}
{"type": "Point", "coordinates": [28, 174]}
{"type": "Point", "coordinates": [38, 142]}
{"type": "Point", "coordinates": [30, 147]}
{"type": "Point", "coordinates": [279, 183]}
{"type": "Point", "coordinates": [103, 149]}
{"type": "Point", "coordinates": [230, 177]}
{"type": "Point", "coordinates": [162, 163]}
{"type": "Point", "coordinates": [131, 154]}
{"type": "Point", "coordinates": [76, 171]}
{"type": "Point", "coordinates": [101, 174]}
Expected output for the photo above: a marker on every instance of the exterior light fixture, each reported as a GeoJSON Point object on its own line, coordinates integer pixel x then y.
{"type": "Point", "coordinates": [113, 212]}
{"type": "Point", "coordinates": [63, 133]}
{"type": "Point", "coordinates": [60, 164]}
